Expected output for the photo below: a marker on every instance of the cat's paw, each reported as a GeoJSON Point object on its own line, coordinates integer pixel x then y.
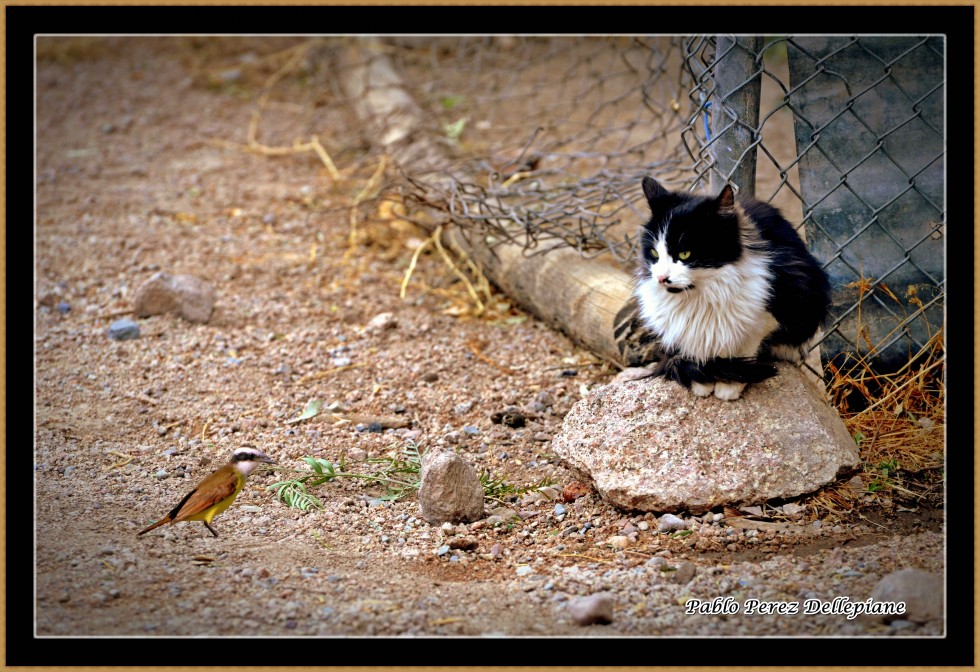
{"type": "Point", "coordinates": [635, 373]}
{"type": "Point", "coordinates": [729, 391]}
{"type": "Point", "coordinates": [702, 389]}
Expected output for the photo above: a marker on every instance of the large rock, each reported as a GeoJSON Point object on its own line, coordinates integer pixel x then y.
{"type": "Point", "coordinates": [450, 490]}
{"type": "Point", "coordinates": [921, 591]}
{"type": "Point", "coordinates": [188, 296]}
{"type": "Point", "coordinates": [652, 445]}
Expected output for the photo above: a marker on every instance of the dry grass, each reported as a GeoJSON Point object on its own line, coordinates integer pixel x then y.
{"type": "Point", "coordinates": [900, 433]}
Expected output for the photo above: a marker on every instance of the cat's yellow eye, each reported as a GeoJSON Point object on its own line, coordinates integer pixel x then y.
{"type": "Point", "coordinates": [654, 254]}
{"type": "Point", "coordinates": [684, 255]}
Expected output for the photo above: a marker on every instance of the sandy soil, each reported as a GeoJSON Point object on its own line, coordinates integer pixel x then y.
{"type": "Point", "coordinates": [128, 184]}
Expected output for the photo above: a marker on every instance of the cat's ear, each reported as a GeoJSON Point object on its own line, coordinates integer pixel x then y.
{"type": "Point", "coordinates": [652, 189]}
{"type": "Point", "coordinates": [726, 199]}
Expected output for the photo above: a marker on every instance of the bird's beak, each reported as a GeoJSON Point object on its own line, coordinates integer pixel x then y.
{"type": "Point", "coordinates": [267, 459]}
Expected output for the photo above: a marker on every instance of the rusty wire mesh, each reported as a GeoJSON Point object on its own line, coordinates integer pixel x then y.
{"type": "Point", "coordinates": [549, 137]}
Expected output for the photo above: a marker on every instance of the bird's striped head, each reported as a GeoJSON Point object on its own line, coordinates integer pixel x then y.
{"type": "Point", "coordinates": [246, 458]}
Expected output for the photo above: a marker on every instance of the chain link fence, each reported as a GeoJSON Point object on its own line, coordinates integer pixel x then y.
{"type": "Point", "coordinates": [545, 141]}
{"type": "Point", "coordinates": [865, 176]}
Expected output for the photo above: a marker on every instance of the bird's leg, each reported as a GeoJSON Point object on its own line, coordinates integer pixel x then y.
{"type": "Point", "coordinates": [210, 528]}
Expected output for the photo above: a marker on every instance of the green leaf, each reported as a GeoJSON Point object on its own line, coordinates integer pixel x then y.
{"type": "Point", "coordinates": [858, 438]}
{"type": "Point", "coordinates": [454, 130]}
{"type": "Point", "coordinates": [312, 409]}
{"type": "Point", "coordinates": [295, 494]}
{"type": "Point", "coordinates": [449, 102]}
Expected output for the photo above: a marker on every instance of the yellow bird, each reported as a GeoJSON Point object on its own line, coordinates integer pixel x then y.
{"type": "Point", "coordinates": [216, 492]}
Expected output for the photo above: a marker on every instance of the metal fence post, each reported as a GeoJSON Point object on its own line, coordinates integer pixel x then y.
{"type": "Point", "coordinates": [735, 111]}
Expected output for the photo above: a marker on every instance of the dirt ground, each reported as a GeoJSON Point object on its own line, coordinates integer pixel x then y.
{"type": "Point", "coordinates": [130, 181]}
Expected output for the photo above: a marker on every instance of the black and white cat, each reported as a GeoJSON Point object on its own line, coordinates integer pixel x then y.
{"type": "Point", "coordinates": [727, 286]}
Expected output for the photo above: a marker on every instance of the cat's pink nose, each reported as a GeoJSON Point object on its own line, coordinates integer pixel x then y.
{"type": "Point", "coordinates": [663, 279]}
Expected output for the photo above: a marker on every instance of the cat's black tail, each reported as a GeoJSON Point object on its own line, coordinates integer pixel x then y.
{"type": "Point", "coordinates": [719, 369]}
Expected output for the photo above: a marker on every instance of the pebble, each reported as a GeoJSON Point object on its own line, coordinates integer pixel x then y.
{"type": "Point", "coordinates": [684, 573]}
{"type": "Point", "coordinates": [161, 474]}
{"type": "Point", "coordinates": [356, 454]}
{"type": "Point", "coordinates": [382, 322]}
{"type": "Point", "coordinates": [465, 407]}
{"type": "Point", "coordinates": [230, 76]}
{"type": "Point", "coordinates": [471, 430]}
{"type": "Point", "coordinates": [593, 609]}
{"type": "Point", "coordinates": [463, 543]}
{"type": "Point", "coordinates": [187, 295]}
{"type": "Point", "coordinates": [524, 570]}
{"type": "Point", "coordinates": [560, 510]}
{"type": "Point", "coordinates": [124, 330]}
{"type": "Point", "coordinates": [643, 525]}
{"type": "Point", "coordinates": [338, 362]}
{"type": "Point", "coordinates": [443, 550]}
{"type": "Point", "coordinates": [669, 522]}
{"type": "Point", "coordinates": [450, 489]}
{"type": "Point", "coordinates": [618, 541]}
{"type": "Point", "coordinates": [902, 624]}
{"type": "Point", "coordinates": [921, 591]}
{"type": "Point", "coordinates": [63, 308]}
{"type": "Point", "coordinates": [496, 550]}
{"type": "Point", "coordinates": [513, 419]}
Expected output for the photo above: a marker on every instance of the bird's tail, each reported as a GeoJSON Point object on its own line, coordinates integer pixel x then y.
{"type": "Point", "coordinates": [726, 369]}
{"type": "Point", "coordinates": [155, 525]}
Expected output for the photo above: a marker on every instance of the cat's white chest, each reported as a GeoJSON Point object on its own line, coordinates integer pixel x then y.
{"type": "Point", "coordinates": [724, 315]}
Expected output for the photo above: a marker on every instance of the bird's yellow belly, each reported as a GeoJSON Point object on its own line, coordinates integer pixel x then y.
{"type": "Point", "coordinates": [208, 514]}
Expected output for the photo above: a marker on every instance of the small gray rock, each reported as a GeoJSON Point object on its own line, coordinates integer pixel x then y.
{"type": "Point", "coordinates": [618, 541]}
{"type": "Point", "coordinates": [382, 322]}
{"type": "Point", "coordinates": [669, 522]}
{"type": "Point", "coordinates": [450, 489]}
{"type": "Point", "coordinates": [685, 572]}
{"type": "Point", "coordinates": [597, 608]}
{"type": "Point", "coordinates": [124, 330]}
{"type": "Point", "coordinates": [230, 76]}
{"type": "Point", "coordinates": [921, 591]}
{"type": "Point", "coordinates": [188, 296]}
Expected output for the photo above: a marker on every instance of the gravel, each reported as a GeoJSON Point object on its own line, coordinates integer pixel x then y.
{"type": "Point", "coordinates": [282, 311]}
